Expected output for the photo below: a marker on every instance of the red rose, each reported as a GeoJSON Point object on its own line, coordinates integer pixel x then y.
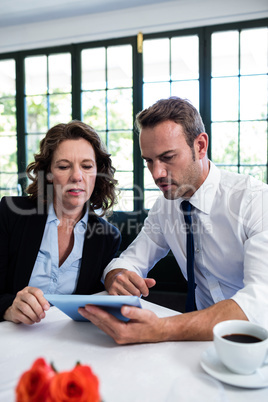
{"type": "Point", "coordinates": [34, 383]}
{"type": "Point", "coordinates": [77, 385]}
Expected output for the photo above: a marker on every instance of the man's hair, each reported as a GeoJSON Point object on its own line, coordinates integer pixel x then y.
{"type": "Point", "coordinates": [181, 111]}
{"type": "Point", "coordinates": [103, 196]}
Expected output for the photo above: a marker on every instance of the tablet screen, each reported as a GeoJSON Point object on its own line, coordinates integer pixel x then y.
{"type": "Point", "coordinates": [69, 304]}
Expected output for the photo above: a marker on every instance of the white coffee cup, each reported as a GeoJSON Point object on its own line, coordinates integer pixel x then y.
{"type": "Point", "coordinates": [240, 357]}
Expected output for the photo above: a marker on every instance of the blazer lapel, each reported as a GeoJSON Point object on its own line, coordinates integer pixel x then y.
{"type": "Point", "coordinates": [33, 230]}
{"type": "Point", "coordinates": [90, 272]}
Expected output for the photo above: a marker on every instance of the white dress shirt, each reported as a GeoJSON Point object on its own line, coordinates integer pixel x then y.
{"type": "Point", "coordinates": [230, 226]}
{"type": "Point", "coordinates": [47, 275]}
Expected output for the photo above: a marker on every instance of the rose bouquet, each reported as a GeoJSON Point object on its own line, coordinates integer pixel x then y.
{"type": "Point", "coordinates": [42, 383]}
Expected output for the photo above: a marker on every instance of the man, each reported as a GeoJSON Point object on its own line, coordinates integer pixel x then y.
{"type": "Point", "coordinates": [229, 226]}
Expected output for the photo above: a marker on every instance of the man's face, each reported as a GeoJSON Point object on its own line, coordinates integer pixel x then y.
{"type": "Point", "coordinates": [175, 167]}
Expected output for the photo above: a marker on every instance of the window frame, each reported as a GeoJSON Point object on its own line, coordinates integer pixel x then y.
{"type": "Point", "coordinates": [204, 34]}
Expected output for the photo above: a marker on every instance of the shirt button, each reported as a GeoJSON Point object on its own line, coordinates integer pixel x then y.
{"type": "Point", "coordinates": [54, 280]}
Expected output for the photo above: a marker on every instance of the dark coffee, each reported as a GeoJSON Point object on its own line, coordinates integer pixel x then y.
{"type": "Point", "coordinates": [242, 338]}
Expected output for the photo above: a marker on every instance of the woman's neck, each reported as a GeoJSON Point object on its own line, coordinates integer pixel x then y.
{"type": "Point", "coordinates": [68, 218]}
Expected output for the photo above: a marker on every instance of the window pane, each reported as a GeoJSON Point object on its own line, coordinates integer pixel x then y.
{"type": "Point", "coordinates": [120, 113]}
{"type": "Point", "coordinates": [93, 69]}
{"type": "Point", "coordinates": [36, 114]}
{"type": "Point", "coordinates": [187, 90]}
{"type": "Point", "coordinates": [125, 179]}
{"type": "Point", "coordinates": [33, 142]}
{"type": "Point", "coordinates": [7, 116]}
{"type": "Point", "coordinates": [7, 78]}
{"type": "Point", "coordinates": [151, 191]}
{"type": "Point", "coordinates": [94, 109]}
{"type": "Point", "coordinates": [103, 137]}
{"type": "Point", "coordinates": [150, 197]}
{"type": "Point", "coordinates": [119, 61]}
{"type": "Point", "coordinates": [36, 75]}
{"type": "Point", "coordinates": [148, 180]}
{"type": "Point", "coordinates": [225, 53]}
{"type": "Point", "coordinates": [224, 143]}
{"type": "Point", "coordinates": [254, 55]}
{"type": "Point", "coordinates": [253, 142]}
{"type": "Point", "coordinates": [230, 168]}
{"type": "Point", "coordinates": [224, 99]}
{"type": "Point", "coordinates": [184, 58]}
{"type": "Point", "coordinates": [9, 183]}
{"type": "Point", "coordinates": [8, 154]}
{"type": "Point", "coordinates": [59, 73]}
{"type": "Point", "coordinates": [125, 201]}
{"type": "Point", "coordinates": [253, 97]}
{"type": "Point", "coordinates": [259, 172]}
{"type": "Point", "coordinates": [60, 107]}
{"type": "Point", "coordinates": [154, 92]}
{"type": "Point", "coordinates": [121, 149]}
{"type": "Point", "coordinates": [156, 60]}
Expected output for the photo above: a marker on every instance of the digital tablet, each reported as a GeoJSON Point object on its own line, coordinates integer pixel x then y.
{"type": "Point", "coordinates": [69, 304]}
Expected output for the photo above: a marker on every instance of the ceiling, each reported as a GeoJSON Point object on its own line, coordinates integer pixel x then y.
{"type": "Point", "coordinates": [16, 12]}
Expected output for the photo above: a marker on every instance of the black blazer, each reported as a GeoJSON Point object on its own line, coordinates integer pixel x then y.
{"type": "Point", "coordinates": [22, 224]}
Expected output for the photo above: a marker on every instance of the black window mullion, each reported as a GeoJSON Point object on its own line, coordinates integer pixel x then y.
{"type": "Point", "coordinates": [137, 107]}
{"type": "Point", "coordinates": [21, 122]}
{"type": "Point", "coordinates": [48, 95]}
{"type": "Point", "coordinates": [239, 101]}
{"type": "Point", "coordinates": [106, 98]}
{"type": "Point", "coordinates": [76, 82]}
{"type": "Point", "coordinates": [205, 82]}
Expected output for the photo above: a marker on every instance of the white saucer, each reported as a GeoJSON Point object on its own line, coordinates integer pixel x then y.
{"type": "Point", "coordinates": [213, 366]}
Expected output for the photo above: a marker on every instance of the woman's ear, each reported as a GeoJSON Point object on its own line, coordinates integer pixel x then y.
{"type": "Point", "coordinates": [49, 177]}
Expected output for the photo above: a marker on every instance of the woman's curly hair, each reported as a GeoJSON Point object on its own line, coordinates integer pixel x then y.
{"type": "Point", "coordinates": [103, 196]}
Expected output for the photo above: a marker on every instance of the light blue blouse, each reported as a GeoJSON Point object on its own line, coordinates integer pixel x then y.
{"type": "Point", "coordinates": [46, 274]}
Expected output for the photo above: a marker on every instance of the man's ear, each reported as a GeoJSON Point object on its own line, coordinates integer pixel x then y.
{"type": "Point", "coordinates": [201, 145]}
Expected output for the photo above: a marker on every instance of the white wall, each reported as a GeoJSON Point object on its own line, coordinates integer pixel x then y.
{"type": "Point", "coordinates": [160, 17]}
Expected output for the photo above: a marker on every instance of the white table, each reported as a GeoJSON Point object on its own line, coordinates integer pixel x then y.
{"type": "Point", "coordinates": [132, 373]}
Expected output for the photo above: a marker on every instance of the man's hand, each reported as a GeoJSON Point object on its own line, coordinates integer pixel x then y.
{"type": "Point", "coordinates": [144, 325]}
{"type": "Point", "coordinates": [28, 307]}
{"type": "Point", "coordinates": [124, 282]}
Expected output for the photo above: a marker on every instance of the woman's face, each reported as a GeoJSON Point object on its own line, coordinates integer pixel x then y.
{"type": "Point", "coordinates": [74, 172]}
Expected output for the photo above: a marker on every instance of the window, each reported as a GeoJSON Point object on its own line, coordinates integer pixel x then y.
{"type": "Point", "coordinates": [239, 100]}
{"type": "Point", "coordinates": [47, 96]}
{"type": "Point", "coordinates": [107, 105]}
{"type": "Point", "coordinates": [8, 128]}
{"type": "Point", "coordinates": [170, 68]}
{"type": "Point", "coordinates": [221, 69]}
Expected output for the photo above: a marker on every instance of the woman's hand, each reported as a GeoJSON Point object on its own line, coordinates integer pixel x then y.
{"type": "Point", "coordinates": [28, 307]}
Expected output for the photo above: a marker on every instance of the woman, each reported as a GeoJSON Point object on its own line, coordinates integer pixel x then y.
{"type": "Point", "coordinates": [52, 241]}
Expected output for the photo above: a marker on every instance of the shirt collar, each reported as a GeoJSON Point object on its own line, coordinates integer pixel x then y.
{"type": "Point", "coordinates": [52, 214]}
{"type": "Point", "coordinates": [53, 217]}
{"type": "Point", "coordinates": [203, 198]}
{"type": "Point", "coordinates": [84, 219]}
